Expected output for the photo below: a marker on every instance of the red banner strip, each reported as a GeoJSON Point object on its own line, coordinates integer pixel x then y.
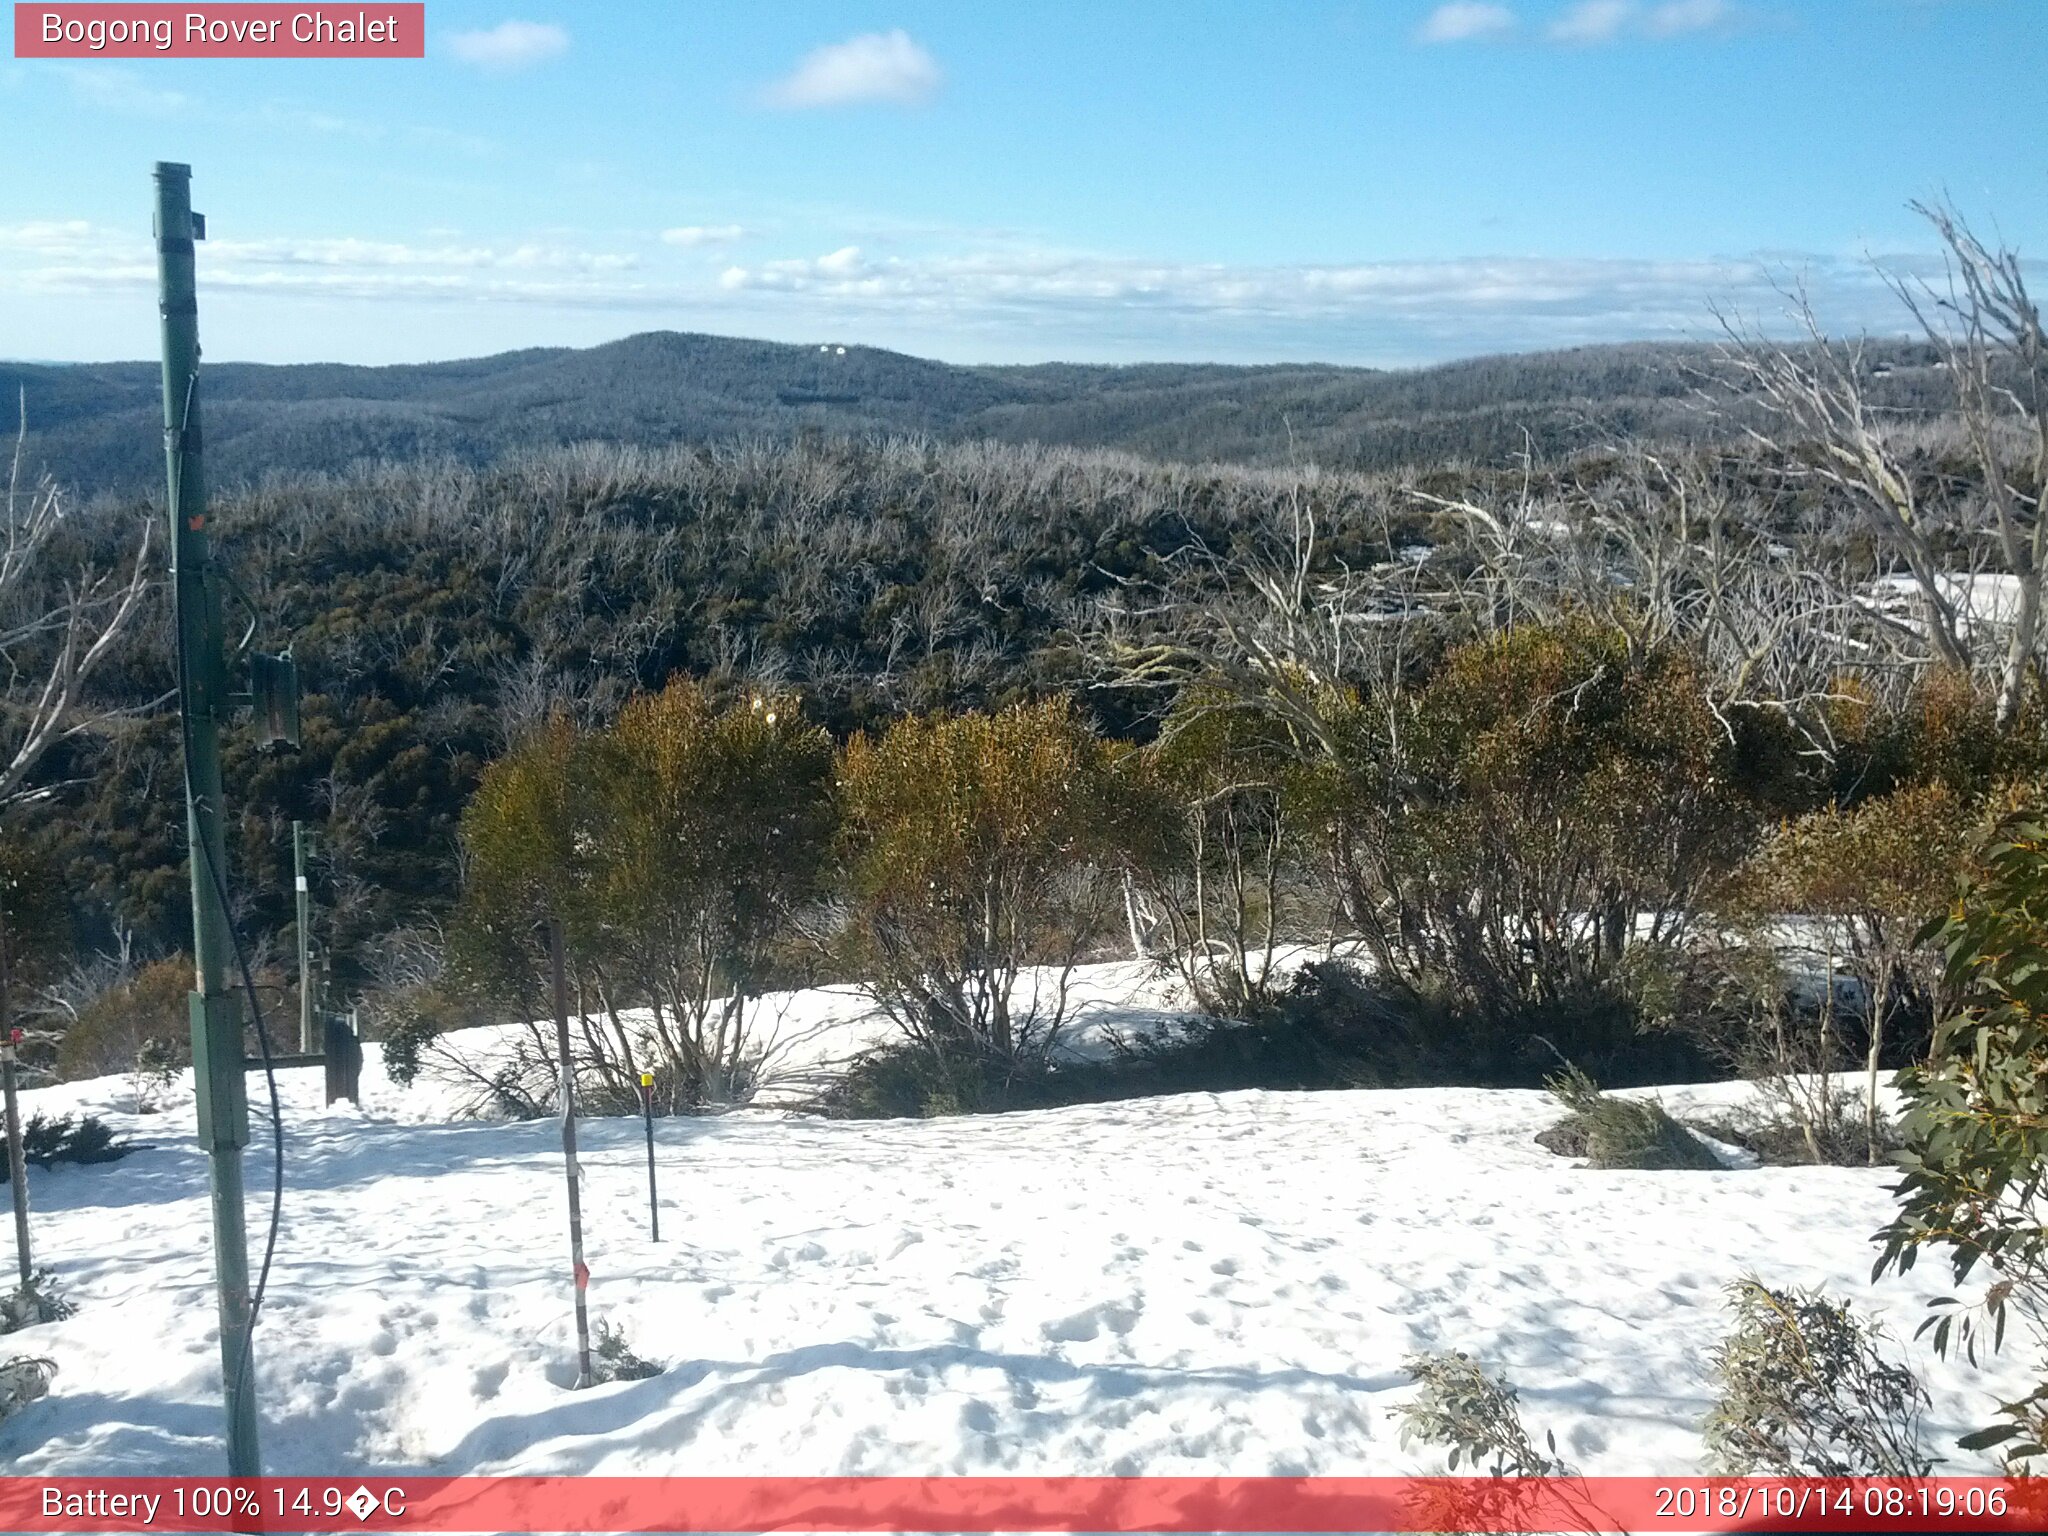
{"type": "Point", "coordinates": [212, 31]}
{"type": "Point", "coordinates": [973, 1504]}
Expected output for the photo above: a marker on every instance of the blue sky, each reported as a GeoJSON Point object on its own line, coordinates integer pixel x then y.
{"type": "Point", "coordinates": [1372, 182]}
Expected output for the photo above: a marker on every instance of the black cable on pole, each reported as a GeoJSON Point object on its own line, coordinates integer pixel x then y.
{"type": "Point", "coordinates": [248, 977]}
{"type": "Point", "coordinates": [276, 1113]}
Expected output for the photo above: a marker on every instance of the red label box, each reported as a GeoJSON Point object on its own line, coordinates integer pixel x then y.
{"type": "Point", "coordinates": [111, 30]}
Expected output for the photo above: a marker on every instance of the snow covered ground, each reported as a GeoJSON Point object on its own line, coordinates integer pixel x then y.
{"type": "Point", "coordinates": [1176, 1285]}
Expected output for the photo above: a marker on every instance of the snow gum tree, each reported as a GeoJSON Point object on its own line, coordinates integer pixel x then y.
{"type": "Point", "coordinates": [1549, 802]}
{"type": "Point", "coordinates": [977, 845]}
{"type": "Point", "coordinates": [716, 828]}
{"type": "Point", "coordinates": [1220, 852]}
{"type": "Point", "coordinates": [529, 837]}
{"type": "Point", "coordinates": [1976, 1127]}
{"type": "Point", "coordinates": [673, 849]}
{"type": "Point", "coordinates": [1869, 878]}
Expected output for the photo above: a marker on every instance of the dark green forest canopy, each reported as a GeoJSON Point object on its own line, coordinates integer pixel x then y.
{"type": "Point", "coordinates": [436, 610]}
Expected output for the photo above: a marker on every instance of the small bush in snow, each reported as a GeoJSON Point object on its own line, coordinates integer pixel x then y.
{"type": "Point", "coordinates": [409, 1020]}
{"type": "Point", "coordinates": [1472, 1413]}
{"type": "Point", "coordinates": [22, 1380]}
{"type": "Point", "coordinates": [1620, 1133]}
{"type": "Point", "coordinates": [1806, 1392]}
{"type": "Point", "coordinates": [908, 1080]}
{"type": "Point", "coordinates": [64, 1140]}
{"type": "Point", "coordinates": [39, 1300]}
{"type": "Point", "coordinates": [124, 1012]}
{"type": "Point", "coordinates": [157, 1066]}
{"type": "Point", "coordinates": [615, 1360]}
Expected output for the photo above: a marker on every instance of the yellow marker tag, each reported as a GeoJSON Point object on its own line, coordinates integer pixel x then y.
{"type": "Point", "coordinates": [646, 1079]}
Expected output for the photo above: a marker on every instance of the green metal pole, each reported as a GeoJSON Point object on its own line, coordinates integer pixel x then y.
{"type": "Point", "coordinates": [217, 1060]}
{"type": "Point", "coordinates": [305, 901]}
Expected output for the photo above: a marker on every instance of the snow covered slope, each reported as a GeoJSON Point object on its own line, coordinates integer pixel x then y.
{"type": "Point", "coordinates": [1174, 1285]}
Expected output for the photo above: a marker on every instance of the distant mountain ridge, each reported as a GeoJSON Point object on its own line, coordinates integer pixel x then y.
{"type": "Point", "coordinates": [97, 426]}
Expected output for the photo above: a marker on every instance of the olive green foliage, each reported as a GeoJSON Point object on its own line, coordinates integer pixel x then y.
{"type": "Point", "coordinates": [1976, 1123]}
{"type": "Point", "coordinates": [716, 826]}
{"type": "Point", "coordinates": [1332, 1027]}
{"type": "Point", "coordinates": [1220, 855]}
{"type": "Point", "coordinates": [407, 1021]}
{"type": "Point", "coordinates": [1806, 1391]}
{"type": "Point", "coordinates": [147, 1011]}
{"type": "Point", "coordinates": [1519, 830]}
{"type": "Point", "coordinates": [1472, 1413]}
{"type": "Point", "coordinates": [1623, 1133]}
{"type": "Point", "coordinates": [975, 846]}
{"type": "Point", "coordinates": [673, 852]}
{"type": "Point", "coordinates": [1869, 878]}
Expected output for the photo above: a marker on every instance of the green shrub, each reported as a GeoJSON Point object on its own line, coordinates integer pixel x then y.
{"type": "Point", "coordinates": [407, 1020]}
{"type": "Point", "coordinates": [613, 1358]}
{"type": "Point", "coordinates": [109, 1032]}
{"type": "Point", "coordinates": [1622, 1133]}
{"type": "Point", "coordinates": [1870, 878]}
{"type": "Point", "coordinates": [88, 1139]}
{"type": "Point", "coordinates": [1219, 852]}
{"type": "Point", "coordinates": [157, 1065]}
{"type": "Point", "coordinates": [910, 1080]}
{"type": "Point", "coordinates": [1546, 795]}
{"type": "Point", "coordinates": [976, 845]}
{"type": "Point", "coordinates": [40, 1300]}
{"type": "Point", "coordinates": [1805, 1391]}
{"type": "Point", "coordinates": [1334, 1027]}
{"type": "Point", "coordinates": [715, 831]}
{"type": "Point", "coordinates": [672, 852]}
{"type": "Point", "coordinates": [1473, 1415]}
{"type": "Point", "coordinates": [1976, 1158]}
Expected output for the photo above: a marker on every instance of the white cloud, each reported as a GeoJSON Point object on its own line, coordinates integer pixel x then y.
{"type": "Point", "coordinates": [119, 90]}
{"type": "Point", "coordinates": [510, 45]}
{"type": "Point", "coordinates": [689, 235]}
{"type": "Point", "coordinates": [1024, 301]}
{"type": "Point", "coordinates": [1593, 21]}
{"type": "Point", "coordinates": [51, 237]}
{"type": "Point", "coordinates": [1464, 21]}
{"type": "Point", "coordinates": [876, 67]}
{"type": "Point", "coordinates": [1679, 16]}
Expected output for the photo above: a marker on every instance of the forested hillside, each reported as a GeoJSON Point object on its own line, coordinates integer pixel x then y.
{"type": "Point", "coordinates": [98, 426]}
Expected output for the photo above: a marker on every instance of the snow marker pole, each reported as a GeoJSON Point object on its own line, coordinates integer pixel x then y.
{"type": "Point", "coordinates": [568, 1071]}
{"type": "Point", "coordinates": [647, 1110]}
{"type": "Point", "coordinates": [203, 701]}
{"type": "Point", "coordinates": [17, 1163]}
{"type": "Point", "coordinates": [305, 903]}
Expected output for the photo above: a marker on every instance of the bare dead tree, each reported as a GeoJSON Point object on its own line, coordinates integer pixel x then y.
{"type": "Point", "coordinates": [1989, 330]}
{"type": "Point", "coordinates": [1990, 334]}
{"type": "Point", "coordinates": [56, 628]}
{"type": "Point", "coordinates": [1829, 431]}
